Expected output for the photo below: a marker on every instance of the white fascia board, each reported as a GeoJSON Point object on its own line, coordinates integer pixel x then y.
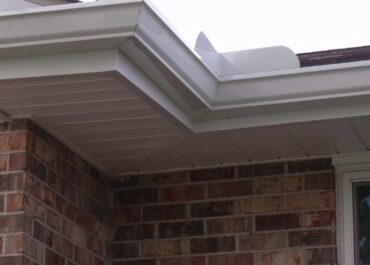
{"type": "Point", "coordinates": [177, 78]}
{"type": "Point", "coordinates": [61, 28]}
{"type": "Point", "coordinates": [59, 65]}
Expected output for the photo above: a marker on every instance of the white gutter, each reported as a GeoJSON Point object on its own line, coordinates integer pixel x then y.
{"type": "Point", "coordinates": [199, 92]}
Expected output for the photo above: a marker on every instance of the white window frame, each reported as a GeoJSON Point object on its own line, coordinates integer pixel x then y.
{"type": "Point", "coordinates": [350, 169]}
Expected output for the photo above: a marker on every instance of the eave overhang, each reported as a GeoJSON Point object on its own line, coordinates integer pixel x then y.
{"type": "Point", "coordinates": [131, 41]}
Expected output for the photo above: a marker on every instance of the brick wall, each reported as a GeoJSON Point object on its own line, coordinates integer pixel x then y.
{"type": "Point", "coordinates": [270, 214]}
{"type": "Point", "coordinates": [52, 202]}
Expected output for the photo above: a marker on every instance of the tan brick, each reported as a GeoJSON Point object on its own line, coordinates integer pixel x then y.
{"type": "Point", "coordinates": [293, 257]}
{"type": "Point", "coordinates": [163, 248]}
{"type": "Point", "coordinates": [278, 184]}
{"type": "Point", "coordinates": [262, 205]}
{"type": "Point", "coordinates": [312, 200]}
{"type": "Point", "coordinates": [15, 202]}
{"type": "Point", "coordinates": [262, 241]}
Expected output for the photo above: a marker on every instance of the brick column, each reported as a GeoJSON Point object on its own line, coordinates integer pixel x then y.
{"type": "Point", "coordinates": [52, 202]}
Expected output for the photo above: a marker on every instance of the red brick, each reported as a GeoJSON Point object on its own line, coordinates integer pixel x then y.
{"type": "Point", "coordinates": [291, 257]}
{"type": "Point", "coordinates": [15, 202]}
{"type": "Point", "coordinates": [2, 206]}
{"type": "Point", "coordinates": [212, 209]}
{"type": "Point", "coordinates": [135, 262]}
{"type": "Point", "coordinates": [181, 229]}
{"type": "Point", "coordinates": [34, 207]}
{"type": "Point", "coordinates": [53, 258]}
{"type": "Point", "coordinates": [320, 181]}
{"type": "Point", "coordinates": [17, 141]}
{"type": "Point", "coordinates": [311, 238]}
{"type": "Point", "coordinates": [184, 261]}
{"type": "Point", "coordinates": [310, 165]}
{"type": "Point", "coordinates": [212, 174]}
{"type": "Point", "coordinates": [4, 140]}
{"type": "Point", "coordinates": [262, 205]}
{"type": "Point", "coordinates": [229, 225]}
{"type": "Point", "coordinates": [182, 193]}
{"type": "Point", "coordinates": [262, 241]}
{"type": "Point", "coordinates": [43, 234]}
{"type": "Point", "coordinates": [312, 200]}
{"type": "Point", "coordinates": [17, 161]}
{"type": "Point", "coordinates": [163, 248]}
{"type": "Point", "coordinates": [164, 212]}
{"type": "Point", "coordinates": [135, 196]}
{"type": "Point", "coordinates": [278, 221]}
{"type": "Point", "coordinates": [213, 244]}
{"type": "Point", "coordinates": [14, 260]}
{"type": "Point", "coordinates": [14, 244]}
{"type": "Point", "coordinates": [230, 189]}
{"type": "Point", "coordinates": [320, 218]}
{"type": "Point", "coordinates": [12, 182]}
{"type": "Point", "coordinates": [3, 162]}
{"type": "Point", "coordinates": [261, 170]}
{"type": "Point", "coordinates": [124, 215]}
{"type": "Point", "coordinates": [134, 232]}
{"type": "Point", "coordinates": [280, 184]}
{"type": "Point", "coordinates": [321, 256]}
{"type": "Point", "coordinates": [12, 223]}
{"type": "Point", "coordinates": [232, 259]}
{"type": "Point", "coordinates": [123, 250]}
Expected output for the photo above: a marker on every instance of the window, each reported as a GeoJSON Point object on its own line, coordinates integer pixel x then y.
{"type": "Point", "coordinates": [353, 209]}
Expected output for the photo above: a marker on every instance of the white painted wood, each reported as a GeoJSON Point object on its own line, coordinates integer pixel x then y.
{"type": "Point", "coordinates": [170, 159]}
{"type": "Point", "coordinates": [251, 144]}
{"type": "Point", "coordinates": [311, 139]}
{"type": "Point", "coordinates": [342, 136]}
{"type": "Point", "coordinates": [362, 127]}
{"type": "Point", "coordinates": [114, 144]}
{"type": "Point", "coordinates": [193, 153]}
{"type": "Point", "coordinates": [279, 140]}
{"type": "Point", "coordinates": [134, 133]}
{"type": "Point", "coordinates": [55, 119]}
{"type": "Point", "coordinates": [220, 147]}
{"type": "Point", "coordinates": [103, 126]}
{"type": "Point", "coordinates": [119, 153]}
{"type": "Point", "coordinates": [76, 108]}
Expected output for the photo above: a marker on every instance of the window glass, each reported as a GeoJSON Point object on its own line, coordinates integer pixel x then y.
{"type": "Point", "coordinates": [362, 223]}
